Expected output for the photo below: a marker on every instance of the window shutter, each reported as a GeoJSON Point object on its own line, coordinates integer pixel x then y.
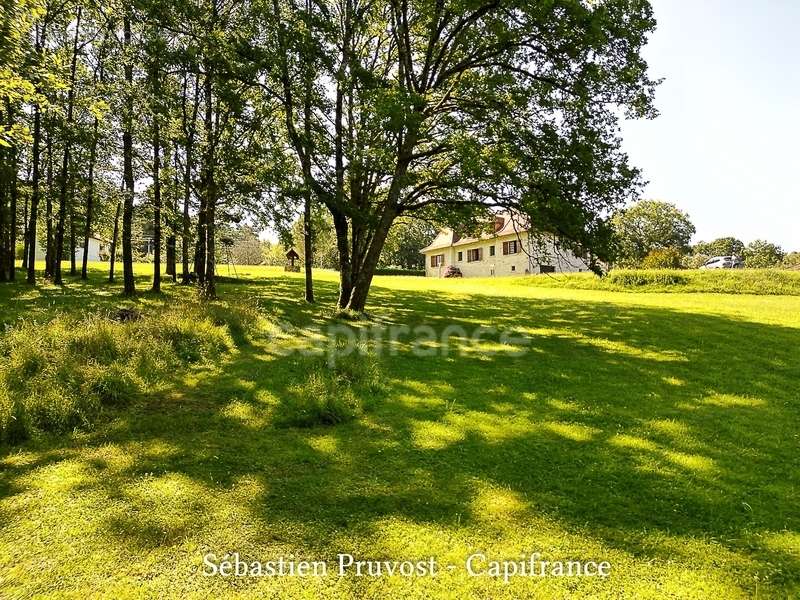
{"type": "Point", "coordinates": [505, 248]}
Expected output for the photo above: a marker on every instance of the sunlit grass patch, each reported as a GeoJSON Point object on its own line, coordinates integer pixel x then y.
{"type": "Point", "coordinates": [655, 431]}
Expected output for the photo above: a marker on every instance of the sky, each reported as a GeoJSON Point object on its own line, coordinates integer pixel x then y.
{"type": "Point", "coordinates": [725, 146]}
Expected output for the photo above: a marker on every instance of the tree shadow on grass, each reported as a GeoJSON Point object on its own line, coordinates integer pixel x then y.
{"type": "Point", "coordinates": [636, 427]}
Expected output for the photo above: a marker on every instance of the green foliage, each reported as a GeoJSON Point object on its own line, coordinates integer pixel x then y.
{"type": "Point", "coordinates": [650, 225]}
{"type": "Point", "coordinates": [760, 254]}
{"type": "Point", "coordinates": [717, 281]}
{"type": "Point", "coordinates": [406, 238]}
{"type": "Point", "coordinates": [323, 244]}
{"type": "Point", "coordinates": [335, 390]}
{"type": "Point", "coordinates": [247, 247]}
{"type": "Point", "coordinates": [61, 375]}
{"type": "Point", "coordinates": [663, 258]}
{"type": "Point", "coordinates": [402, 272]}
{"type": "Point", "coordinates": [791, 261]}
{"type": "Point", "coordinates": [638, 279]}
{"type": "Point", "coordinates": [725, 246]}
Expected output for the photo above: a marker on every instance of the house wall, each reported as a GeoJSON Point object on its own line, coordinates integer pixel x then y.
{"type": "Point", "coordinates": [501, 265]}
{"type": "Point", "coordinates": [94, 251]}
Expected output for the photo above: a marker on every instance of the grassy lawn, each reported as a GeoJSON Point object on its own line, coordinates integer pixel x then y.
{"type": "Point", "coordinates": [659, 432]}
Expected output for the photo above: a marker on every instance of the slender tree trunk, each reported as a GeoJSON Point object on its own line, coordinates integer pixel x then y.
{"type": "Point", "coordinates": [25, 236]}
{"type": "Point", "coordinates": [127, 152]}
{"type": "Point", "coordinates": [189, 128]}
{"type": "Point", "coordinates": [89, 202]}
{"type": "Point", "coordinates": [208, 289]}
{"type": "Point", "coordinates": [173, 210]}
{"type": "Point", "coordinates": [156, 205]}
{"type": "Point", "coordinates": [186, 233]}
{"type": "Point", "coordinates": [72, 247]}
{"type": "Point", "coordinates": [11, 183]}
{"type": "Point", "coordinates": [50, 250]}
{"type": "Point", "coordinates": [12, 273]}
{"type": "Point", "coordinates": [113, 258]}
{"type": "Point", "coordinates": [200, 242]}
{"type": "Point", "coordinates": [308, 247]}
{"type": "Point", "coordinates": [62, 209]}
{"type": "Point", "coordinates": [5, 181]}
{"type": "Point", "coordinates": [35, 176]}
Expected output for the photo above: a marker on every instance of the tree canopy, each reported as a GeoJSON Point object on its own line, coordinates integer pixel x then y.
{"type": "Point", "coordinates": [203, 113]}
{"type": "Point", "coordinates": [650, 225]}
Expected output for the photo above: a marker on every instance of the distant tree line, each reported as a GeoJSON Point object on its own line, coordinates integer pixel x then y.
{"type": "Point", "coordinates": [657, 235]}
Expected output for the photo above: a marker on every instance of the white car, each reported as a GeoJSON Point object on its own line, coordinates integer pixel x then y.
{"type": "Point", "coordinates": [723, 262]}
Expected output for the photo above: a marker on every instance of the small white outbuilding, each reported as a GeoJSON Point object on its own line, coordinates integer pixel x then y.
{"type": "Point", "coordinates": [96, 247]}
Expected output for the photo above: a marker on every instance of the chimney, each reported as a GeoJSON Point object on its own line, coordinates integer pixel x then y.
{"type": "Point", "coordinates": [499, 222]}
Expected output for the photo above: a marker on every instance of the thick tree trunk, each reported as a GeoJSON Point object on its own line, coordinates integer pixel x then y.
{"type": "Point", "coordinates": [345, 266]}
{"type": "Point", "coordinates": [129, 288]}
{"type": "Point", "coordinates": [113, 258]}
{"type": "Point", "coordinates": [89, 202]}
{"type": "Point", "coordinates": [365, 269]}
{"type": "Point", "coordinates": [200, 242]}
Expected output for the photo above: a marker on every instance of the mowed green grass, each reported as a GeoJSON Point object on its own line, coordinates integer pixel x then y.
{"type": "Point", "coordinates": [659, 432]}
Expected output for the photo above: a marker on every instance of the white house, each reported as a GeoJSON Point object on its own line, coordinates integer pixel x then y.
{"type": "Point", "coordinates": [511, 249]}
{"type": "Point", "coordinates": [96, 250]}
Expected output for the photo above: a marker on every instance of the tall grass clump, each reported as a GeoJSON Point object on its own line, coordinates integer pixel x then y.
{"type": "Point", "coordinates": [60, 375]}
{"type": "Point", "coordinates": [336, 388]}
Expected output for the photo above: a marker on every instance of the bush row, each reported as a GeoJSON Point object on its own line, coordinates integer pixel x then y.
{"type": "Point", "coordinates": [723, 281]}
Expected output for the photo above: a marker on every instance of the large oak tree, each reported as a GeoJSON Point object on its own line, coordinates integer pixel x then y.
{"type": "Point", "coordinates": [460, 104]}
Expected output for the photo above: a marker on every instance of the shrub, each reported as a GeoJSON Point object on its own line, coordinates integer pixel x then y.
{"type": "Point", "coordinates": [791, 261]}
{"type": "Point", "coordinates": [646, 278]}
{"type": "Point", "coordinates": [663, 258]}
{"type": "Point", "coordinates": [403, 272]}
{"type": "Point", "coordinates": [332, 393]}
{"type": "Point", "coordinates": [61, 375]}
{"type": "Point", "coordinates": [760, 254]}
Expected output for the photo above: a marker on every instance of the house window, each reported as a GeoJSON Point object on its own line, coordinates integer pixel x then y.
{"type": "Point", "coordinates": [511, 247]}
{"type": "Point", "coordinates": [513, 268]}
{"type": "Point", "coordinates": [491, 250]}
{"type": "Point", "coordinates": [474, 255]}
{"type": "Point", "coordinates": [460, 256]}
{"type": "Point", "coordinates": [437, 260]}
{"type": "Point", "coordinates": [547, 269]}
